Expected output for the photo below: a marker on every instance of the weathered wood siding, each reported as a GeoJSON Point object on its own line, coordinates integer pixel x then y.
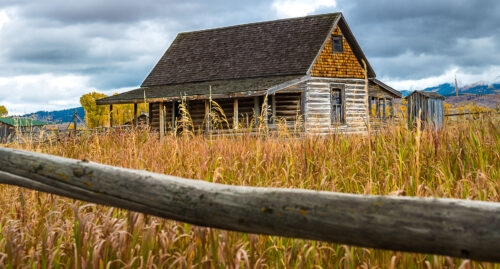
{"type": "Point", "coordinates": [154, 110]}
{"type": "Point", "coordinates": [196, 110]}
{"type": "Point", "coordinates": [375, 90]}
{"type": "Point", "coordinates": [246, 107]}
{"type": "Point", "coordinates": [386, 103]}
{"type": "Point", "coordinates": [227, 106]}
{"type": "Point", "coordinates": [431, 111]}
{"type": "Point", "coordinates": [309, 101]}
{"type": "Point", "coordinates": [340, 65]}
{"type": "Point", "coordinates": [317, 106]}
{"type": "Point", "coordinates": [5, 132]}
{"type": "Point", "coordinates": [355, 107]}
{"type": "Point", "coordinates": [288, 107]}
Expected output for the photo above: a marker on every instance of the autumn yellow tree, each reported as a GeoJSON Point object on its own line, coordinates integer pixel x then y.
{"type": "Point", "coordinates": [3, 111]}
{"type": "Point", "coordinates": [95, 116]}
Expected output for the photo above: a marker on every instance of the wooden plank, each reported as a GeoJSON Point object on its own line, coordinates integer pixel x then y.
{"type": "Point", "coordinates": [235, 114]}
{"type": "Point", "coordinates": [135, 115]}
{"type": "Point", "coordinates": [207, 116]}
{"type": "Point", "coordinates": [150, 113]}
{"type": "Point", "coordinates": [111, 115]}
{"type": "Point", "coordinates": [173, 117]}
{"type": "Point", "coordinates": [273, 108]}
{"type": "Point", "coordinates": [377, 107]}
{"type": "Point", "coordinates": [287, 84]}
{"type": "Point", "coordinates": [256, 107]}
{"type": "Point", "coordinates": [383, 108]}
{"type": "Point", "coordinates": [162, 119]}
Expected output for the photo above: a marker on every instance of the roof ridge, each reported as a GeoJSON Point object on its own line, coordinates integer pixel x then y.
{"type": "Point", "coordinates": [261, 22]}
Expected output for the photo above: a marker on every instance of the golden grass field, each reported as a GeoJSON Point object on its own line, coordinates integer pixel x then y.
{"type": "Point", "coordinates": [39, 230]}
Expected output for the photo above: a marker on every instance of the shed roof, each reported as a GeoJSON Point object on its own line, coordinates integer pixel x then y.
{"type": "Point", "coordinates": [21, 122]}
{"type": "Point", "coordinates": [433, 95]}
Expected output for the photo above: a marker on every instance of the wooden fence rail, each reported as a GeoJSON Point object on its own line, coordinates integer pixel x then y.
{"type": "Point", "coordinates": [472, 113]}
{"type": "Point", "coordinates": [458, 228]}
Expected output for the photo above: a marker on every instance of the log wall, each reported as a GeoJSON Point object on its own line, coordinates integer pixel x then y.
{"type": "Point", "coordinates": [154, 110]}
{"type": "Point", "coordinates": [196, 110]}
{"type": "Point", "coordinates": [246, 108]}
{"type": "Point", "coordinates": [317, 110]}
{"type": "Point", "coordinates": [309, 101]}
{"type": "Point", "coordinates": [288, 107]}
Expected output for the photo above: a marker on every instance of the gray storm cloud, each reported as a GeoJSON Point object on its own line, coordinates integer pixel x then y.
{"type": "Point", "coordinates": [112, 45]}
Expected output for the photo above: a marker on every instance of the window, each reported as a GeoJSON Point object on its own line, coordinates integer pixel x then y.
{"type": "Point", "coordinates": [337, 106]}
{"type": "Point", "coordinates": [337, 44]}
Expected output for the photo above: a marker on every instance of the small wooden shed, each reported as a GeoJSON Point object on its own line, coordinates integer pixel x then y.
{"type": "Point", "coordinates": [430, 107]}
{"type": "Point", "coordinates": [11, 127]}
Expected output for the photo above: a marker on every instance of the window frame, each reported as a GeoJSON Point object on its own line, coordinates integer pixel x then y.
{"type": "Point", "coordinates": [339, 38]}
{"type": "Point", "coordinates": [341, 88]}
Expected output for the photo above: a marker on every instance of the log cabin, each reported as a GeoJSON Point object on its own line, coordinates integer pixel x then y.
{"type": "Point", "coordinates": [307, 72]}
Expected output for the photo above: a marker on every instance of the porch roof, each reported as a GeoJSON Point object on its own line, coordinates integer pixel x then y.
{"type": "Point", "coordinates": [386, 87]}
{"type": "Point", "coordinates": [225, 88]}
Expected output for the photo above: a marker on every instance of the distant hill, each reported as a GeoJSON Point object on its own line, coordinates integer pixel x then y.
{"type": "Point", "coordinates": [485, 100]}
{"type": "Point", "coordinates": [58, 116]}
{"type": "Point", "coordinates": [448, 89]}
{"type": "Point", "coordinates": [482, 94]}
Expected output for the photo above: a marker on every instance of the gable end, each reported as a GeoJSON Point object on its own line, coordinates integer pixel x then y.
{"type": "Point", "coordinates": [347, 63]}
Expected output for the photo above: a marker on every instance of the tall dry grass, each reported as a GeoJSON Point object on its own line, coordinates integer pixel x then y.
{"type": "Point", "coordinates": [45, 231]}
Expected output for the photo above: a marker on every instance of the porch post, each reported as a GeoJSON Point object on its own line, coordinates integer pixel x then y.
{"type": "Point", "coordinates": [378, 107]}
{"type": "Point", "coordinates": [273, 108]}
{"type": "Point", "coordinates": [383, 112]}
{"type": "Point", "coordinates": [135, 115]}
{"type": "Point", "coordinates": [207, 116]}
{"type": "Point", "coordinates": [111, 115]}
{"type": "Point", "coordinates": [369, 106]}
{"type": "Point", "coordinates": [256, 109]}
{"type": "Point", "coordinates": [150, 114]}
{"type": "Point", "coordinates": [235, 114]}
{"type": "Point", "coordinates": [391, 108]}
{"type": "Point", "coordinates": [162, 119]}
{"type": "Point", "coordinates": [266, 110]}
{"type": "Point", "coordinates": [173, 117]}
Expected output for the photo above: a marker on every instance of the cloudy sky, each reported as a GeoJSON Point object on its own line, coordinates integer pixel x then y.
{"type": "Point", "coordinates": [53, 51]}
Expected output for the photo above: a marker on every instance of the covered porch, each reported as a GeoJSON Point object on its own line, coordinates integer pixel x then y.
{"type": "Point", "coordinates": [233, 106]}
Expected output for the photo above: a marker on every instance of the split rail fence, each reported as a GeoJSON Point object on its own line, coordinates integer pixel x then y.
{"type": "Point", "coordinates": [457, 228]}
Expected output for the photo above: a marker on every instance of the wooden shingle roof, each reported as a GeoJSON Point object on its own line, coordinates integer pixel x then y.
{"type": "Point", "coordinates": [257, 52]}
{"type": "Point", "coordinates": [274, 48]}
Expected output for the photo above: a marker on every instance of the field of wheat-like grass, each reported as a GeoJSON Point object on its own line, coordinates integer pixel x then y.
{"type": "Point", "coordinates": [39, 230]}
